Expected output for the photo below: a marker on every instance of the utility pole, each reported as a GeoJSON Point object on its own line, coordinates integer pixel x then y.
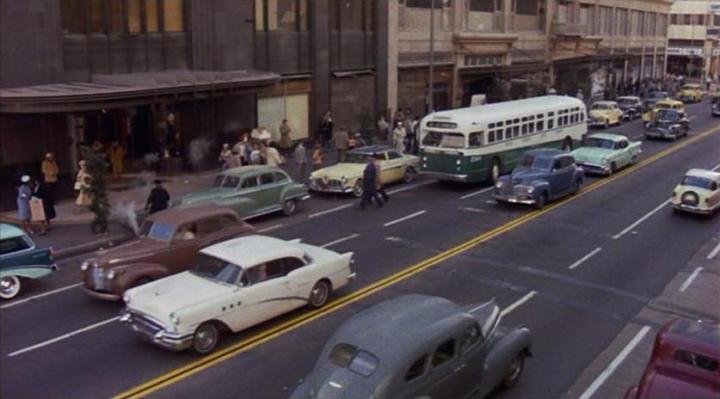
{"type": "Point", "coordinates": [431, 85]}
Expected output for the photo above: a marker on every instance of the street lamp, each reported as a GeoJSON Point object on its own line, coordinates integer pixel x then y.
{"type": "Point", "coordinates": [431, 85]}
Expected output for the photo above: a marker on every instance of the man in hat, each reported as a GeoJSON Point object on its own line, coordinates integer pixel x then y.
{"type": "Point", "coordinates": [158, 199]}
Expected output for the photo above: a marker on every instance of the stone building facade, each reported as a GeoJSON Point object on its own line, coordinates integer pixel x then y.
{"type": "Point", "coordinates": [694, 39]}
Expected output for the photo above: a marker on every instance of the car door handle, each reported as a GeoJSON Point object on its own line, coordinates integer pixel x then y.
{"type": "Point", "coordinates": [460, 367]}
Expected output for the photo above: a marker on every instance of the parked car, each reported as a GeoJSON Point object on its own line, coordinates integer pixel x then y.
{"type": "Point", "coordinates": [690, 93]}
{"type": "Point", "coordinates": [668, 124]}
{"type": "Point", "coordinates": [604, 114]}
{"type": "Point", "coordinates": [542, 175]}
{"type": "Point", "coordinates": [715, 105]}
{"type": "Point", "coordinates": [653, 97]}
{"type": "Point", "coordinates": [234, 285]}
{"type": "Point", "coordinates": [668, 103]}
{"type": "Point", "coordinates": [169, 241]}
{"type": "Point", "coordinates": [346, 176]}
{"type": "Point", "coordinates": [631, 106]}
{"type": "Point", "coordinates": [252, 191]}
{"type": "Point", "coordinates": [20, 259]}
{"type": "Point", "coordinates": [417, 346]}
{"type": "Point", "coordinates": [685, 363]}
{"type": "Point", "coordinates": [698, 192]}
{"type": "Point", "coordinates": [606, 153]}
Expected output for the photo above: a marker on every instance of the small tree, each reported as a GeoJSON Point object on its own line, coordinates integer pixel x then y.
{"type": "Point", "coordinates": [97, 168]}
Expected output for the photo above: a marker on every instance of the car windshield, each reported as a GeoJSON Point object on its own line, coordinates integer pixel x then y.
{"type": "Point", "coordinates": [658, 95]}
{"type": "Point", "coordinates": [697, 181]}
{"type": "Point", "coordinates": [445, 140]}
{"type": "Point", "coordinates": [356, 360]}
{"type": "Point", "coordinates": [600, 106]}
{"type": "Point", "coordinates": [597, 142]}
{"type": "Point", "coordinates": [533, 162]}
{"type": "Point", "coordinates": [157, 231]}
{"type": "Point", "coordinates": [355, 157]}
{"type": "Point", "coordinates": [668, 116]}
{"type": "Point", "coordinates": [216, 269]}
{"type": "Point", "coordinates": [626, 101]}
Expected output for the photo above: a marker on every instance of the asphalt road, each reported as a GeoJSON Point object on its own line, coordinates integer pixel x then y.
{"type": "Point", "coordinates": [576, 272]}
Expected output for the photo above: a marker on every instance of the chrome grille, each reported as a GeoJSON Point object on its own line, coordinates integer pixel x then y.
{"type": "Point", "coordinates": [521, 191]}
{"type": "Point", "coordinates": [97, 278]}
{"type": "Point", "coordinates": [145, 324]}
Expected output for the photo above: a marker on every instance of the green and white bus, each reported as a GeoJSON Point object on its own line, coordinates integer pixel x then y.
{"type": "Point", "coordinates": [480, 143]}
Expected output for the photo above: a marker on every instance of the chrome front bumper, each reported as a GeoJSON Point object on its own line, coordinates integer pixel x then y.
{"type": "Point", "coordinates": [694, 209]}
{"type": "Point", "coordinates": [661, 135]}
{"type": "Point", "coordinates": [152, 331]}
{"type": "Point", "coordinates": [513, 199]}
{"type": "Point", "coordinates": [106, 296]}
{"type": "Point", "coordinates": [594, 167]}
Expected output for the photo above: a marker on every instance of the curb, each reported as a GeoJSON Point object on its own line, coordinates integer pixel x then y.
{"type": "Point", "coordinates": [91, 246]}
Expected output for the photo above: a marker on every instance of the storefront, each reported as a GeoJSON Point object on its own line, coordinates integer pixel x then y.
{"type": "Point", "coordinates": [685, 61]}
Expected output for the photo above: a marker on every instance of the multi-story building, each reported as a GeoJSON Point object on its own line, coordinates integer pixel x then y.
{"type": "Point", "coordinates": [694, 39]}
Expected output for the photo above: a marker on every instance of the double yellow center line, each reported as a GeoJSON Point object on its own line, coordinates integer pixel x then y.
{"type": "Point", "coordinates": [258, 339]}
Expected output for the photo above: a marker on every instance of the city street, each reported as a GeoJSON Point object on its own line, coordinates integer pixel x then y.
{"type": "Point", "coordinates": [577, 273]}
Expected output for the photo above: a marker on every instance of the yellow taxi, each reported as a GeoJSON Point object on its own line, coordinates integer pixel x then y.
{"type": "Point", "coordinates": [667, 103]}
{"type": "Point", "coordinates": [690, 93]}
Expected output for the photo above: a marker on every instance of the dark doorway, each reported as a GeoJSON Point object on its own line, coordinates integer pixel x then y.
{"type": "Point", "coordinates": [142, 139]}
{"type": "Point", "coordinates": [478, 86]}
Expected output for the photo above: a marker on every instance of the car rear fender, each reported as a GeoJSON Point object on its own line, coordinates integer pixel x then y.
{"type": "Point", "coordinates": [509, 343]}
{"type": "Point", "coordinates": [294, 191]}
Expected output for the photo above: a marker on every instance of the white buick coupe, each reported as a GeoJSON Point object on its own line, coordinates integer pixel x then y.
{"type": "Point", "coordinates": [234, 285]}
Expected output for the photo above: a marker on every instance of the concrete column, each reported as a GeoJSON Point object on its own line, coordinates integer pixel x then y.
{"type": "Point", "coordinates": [386, 57]}
{"type": "Point", "coordinates": [320, 61]}
{"type": "Point", "coordinates": [550, 12]}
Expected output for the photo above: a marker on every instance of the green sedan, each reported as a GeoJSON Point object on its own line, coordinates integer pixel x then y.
{"type": "Point", "coordinates": [252, 191]}
{"type": "Point", "coordinates": [605, 153]}
{"type": "Point", "coordinates": [20, 259]}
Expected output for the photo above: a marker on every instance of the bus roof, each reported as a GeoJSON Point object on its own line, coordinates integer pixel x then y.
{"type": "Point", "coordinates": [504, 110]}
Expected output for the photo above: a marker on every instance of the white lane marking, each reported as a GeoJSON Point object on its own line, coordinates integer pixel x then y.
{"type": "Point", "coordinates": [615, 363]}
{"type": "Point", "coordinates": [518, 303]}
{"type": "Point", "coordinates": [331, 210]}
{"type": "Point", "coordinates": [690, 279]}
{"type": "Point", "coordinates": [404, 218]}
{"type": "Point", "coordinates": [393, 239]}
{"type": "Point", "coordinates": [63, 337]}
{"type": "Point", "coordinates": [642, 219]}
{"type": "Point", "coordinates": [44, 294]}
{"type": "Point", "coordinates": [692, 117]}
{"type": "Point", "coordinates": [270, 228]}
{"type": "Point", "coordinates": [339, 240]}
{"type": "Point", "coordinates": [471, 209]}
{"type": "Point", "coordinates": [584, 258]}
{"type": "Point", "coordinates": [714, 252]}
{"type": "Point", "coordinates": [466, 196]}
{"type": "Point", "coordinates": [491, 202]}
{"type": "Point", "coordinates": [410, 187]}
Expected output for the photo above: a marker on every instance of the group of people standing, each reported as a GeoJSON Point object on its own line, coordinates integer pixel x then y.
{"type": "Point", "coordinates": [36, 199]}
{"type": "Point", "coordinates": [405, 131]}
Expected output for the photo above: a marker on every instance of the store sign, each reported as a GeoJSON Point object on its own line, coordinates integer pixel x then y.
{"type": "Point", "coordinates": [685, 51]}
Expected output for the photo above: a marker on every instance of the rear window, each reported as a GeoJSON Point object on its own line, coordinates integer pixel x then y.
{"type": "Point", "coordinates": [696, 360]}
{"type": "Point", "coordinates": [14, 244]}
{"type": "Point", "coordinates": [356, 360]}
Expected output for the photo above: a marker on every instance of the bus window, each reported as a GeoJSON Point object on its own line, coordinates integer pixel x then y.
{"type": "Point", "coordinates": [499, 124]}
{"type": "Point", "coordinates": [491, 126]}
{"type": "Point", "coordinates": [532, 127]}
{"type": "Point", "coordinates": [525, 129]}
{"type": "Point", "coordinates": [499, 135]}
{"type": "Point", "coordinates": [508, 132]}
{"type": "Point", "coordinates": [491, 136]}
{"type": "Point", "coordinates": [475, 140]}
{"type": "Point", "coordinates": [551, 123]}
{"type": "Point", "coordinates": [539, 125]}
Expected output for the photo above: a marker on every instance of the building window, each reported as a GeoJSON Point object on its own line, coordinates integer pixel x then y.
{"type": "Point", "coordinates": [282, 15]}
{"type": "Point", "coordinates": [675, 19]}
{"type": "Point", "coordinates": [173, 16]}
{"type": "Point", "coordinates": [96, 16]}
{"type": "Point", "coordinates": [350, 13]}
{"type": "Point", "coordinates": [424, 3]}
{"type": "Point", "coordinates": [121, 16]}
{"type": "Point", "coordinates": [73, 16]}
{"type": "Point", "coordinates": [482, 5]}
{"type": "Point", "coordinates": [115, 16]}
{"type": "Point", "coordinates": [717, 20]}
{"type": "Point", "coordinates": [686, 20]}
{"type": "Point", "coordinates": [526, 7]}
{"type": "Point", "coordinates": [133, 16]}
{"type": "Point", "coordinates": [152, 16]}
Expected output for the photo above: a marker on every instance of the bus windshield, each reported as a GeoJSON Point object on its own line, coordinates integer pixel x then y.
{"type": "Point", "coordinates": [445, 140]}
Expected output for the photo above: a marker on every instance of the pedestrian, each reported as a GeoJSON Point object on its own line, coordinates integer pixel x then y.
{"type": "Point", "coordinates": [228, 159]}
{"type": "Point", "coordinates": [24, 192]}
{"type": "Point", "coordinates": [255, 156]}
{"type": "Point", "coordinates": [83, 182]}
{"type": "Point", "coordinates": [369, 184]}
{"type": "Point", "coordinates": [415, 135]}
{"type": "Point", "coordinates": [42, 192]}
{"type": "Point", "coordinates": [273, 157]}
{"type": "Point", "coordinates": [317, 156]}
{"type": "Point", "coordinates": [326, 129]}
{"type": "Point", "coordinates": [117, 157]}
{"type": "Point", "coordinates": [285, 140]}
{"type": "Point", "coordinates": [580, 95]}
{"type": "Point", "coordinates": [383, 127]}
{"type": "Point", "coordinates": [380, 194]}
{"type": "Point", "coordinates": [399, 134]}
{"type": "Point", "coordinates": [340, 140]}
{"type": "Point", "coordinates": [50, 171]}
{"type": "Point", "coordinates": [243, 148]}
{"type": "Point", "coordinates": [158, 199]}
{"type": "Point", "coordinates": [301, 160]}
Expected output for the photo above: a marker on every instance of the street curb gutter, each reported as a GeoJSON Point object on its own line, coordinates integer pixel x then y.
{"type": "Point", "coordinates": [91, 246]}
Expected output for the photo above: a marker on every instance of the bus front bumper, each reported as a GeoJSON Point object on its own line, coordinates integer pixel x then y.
{"type": "Point", "coordinates": [446, 176]}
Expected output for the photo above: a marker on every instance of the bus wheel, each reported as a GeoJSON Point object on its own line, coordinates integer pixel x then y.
{"type": "Point", "coordinates": [567, 145]}
{"type": "Point", "coordinates": [494, 172]}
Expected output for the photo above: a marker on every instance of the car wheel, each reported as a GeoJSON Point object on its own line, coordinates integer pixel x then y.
{"type": "Point", "coordinates": [513, 373]}
{"type": "Point", "coordinates": [319, 294]}
{"type": "Point", "coordinates": [205, 338]}
{"type": "Point", "coordinates": [494, 172]}
{"type": "Point", "coordinates": [409, 175]}
{"type": "Point", "coordinates": [358, 189]}
{"type": "Point", "coordinates": [541, 201]}
{"type": "Point", "coordinates": [10, 287]}
{"type": "Point", "coordinates": [567, 145]}
{"type": "Point", "coordinates": [613, 169]}
{"type": "Point", "coordinates": [633, 159]}
{"type": "Point", "coordinates": [289, 207]}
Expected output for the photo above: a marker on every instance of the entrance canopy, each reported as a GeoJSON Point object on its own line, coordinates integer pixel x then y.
{"type": "Point", "coordinates": [124, 90]}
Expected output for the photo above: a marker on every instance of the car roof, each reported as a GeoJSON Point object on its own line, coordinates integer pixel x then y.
{"type": "Point", "coordinates": [694, 335]}
{"type": "Point", "coordinates": [371, 149]}
{"type": "Point", "coordinates": [634, 98]}
{"type": "Point", "coordinates": [604, 102]}
{"type": "Point", "coordinates": [401, 329]}
{"type": "Point", "coordinates": [189, 213]}
{"type": "Point", "coordinates": [10, 231]}
{"type": "Point", "coordinates": [607, 136]}
{"type": "Point", "coordinates": [708, 174]}
{"type": "Point", "coordinates": [669, 101]}
{"type": "Point", "coordinates": [243, 170]}
{"type": "Point", "coordinates": [546, 152]}
{"type": "Point", "coordinates": [252, 250]}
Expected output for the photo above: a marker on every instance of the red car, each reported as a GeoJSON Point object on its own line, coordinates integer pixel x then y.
{"type": "Point", "coordinates": [685, 363]}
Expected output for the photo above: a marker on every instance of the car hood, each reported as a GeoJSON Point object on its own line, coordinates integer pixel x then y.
{"type": "Point", "coordinates": [591, 153]}
{"type": "Point", "coordinates": [131, 251]}
{"type": "Point", "coordinates": [349, 170]}
{"type": "Point", "coordinates": [662, 385]}
{"type": "Point", "coordinates": [210, 194]}
{"type": "Point", "coordinates": [160, 298]}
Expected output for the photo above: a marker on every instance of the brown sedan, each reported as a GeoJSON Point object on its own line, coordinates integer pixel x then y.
{"type": "Point", "coordinates": [168, 243]}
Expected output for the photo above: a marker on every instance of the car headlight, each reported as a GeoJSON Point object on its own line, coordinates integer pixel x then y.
{"type": "Point", "coordinates": [126, 298]}
{"type": "Point", "coordinates": [175, 319]}
{"type": "Point", "coordinates": [603, 160]}
{"type": "Point", "coordinates": [87, 264]}
{"type": "Point", "coordinates": [111, 274]}
{"type": "Point", "coordinates": [343, 179]}
{"type": "Point", "coordinates": [498, 184]}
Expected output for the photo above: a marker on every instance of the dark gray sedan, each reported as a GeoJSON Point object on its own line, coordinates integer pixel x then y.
{"type": "Point", "coordinates": [418, 346]}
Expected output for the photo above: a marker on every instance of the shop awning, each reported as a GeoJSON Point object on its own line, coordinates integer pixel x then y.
{"type": "Point", "coordinates": [123, 90]}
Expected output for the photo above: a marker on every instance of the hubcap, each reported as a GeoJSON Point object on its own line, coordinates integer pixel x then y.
{"type": "Point", "coordinates": [8, 286]}
{"type": "Point", "coordinates": [495, 172]}
{"type": "Point", "coordinates": [205, 338]}
{"type": "Point", "coordinates": [290, 206]}
{"type": "Point", "coordinates": [319, 293]}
